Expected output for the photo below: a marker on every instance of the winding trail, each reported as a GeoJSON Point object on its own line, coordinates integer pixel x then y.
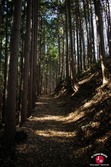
{"type": "Point", "coordinates": [50, 140]}
{"type": "Point", "coordinates": [61, 135]}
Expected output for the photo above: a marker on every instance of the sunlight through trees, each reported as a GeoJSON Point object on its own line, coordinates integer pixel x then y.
{"type": "Point", "coordinates": [44, 43]}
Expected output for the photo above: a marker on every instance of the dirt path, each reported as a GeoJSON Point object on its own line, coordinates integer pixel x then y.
{"type": "Point", "coordinates": [50, 140]}
{"type": "Point", "coordinates": [59, 137]}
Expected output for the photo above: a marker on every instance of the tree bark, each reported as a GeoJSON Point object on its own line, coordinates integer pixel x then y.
{"type": "Point", "coordinates": [67, 53]}
{"type": "Point", "coordinates": [109, 26]}
{"type": "Point", "coordinates": [105, 73]}
{"type": "Point", "coordinates": [5, 66]}
{"type": "Point", "coordinates": [10, 121]}
{"type": "Point", "coordinates": [71, 43]}
{"type": "Point", "coordinates": [36, 7]}
{"type": "Point", "coordinates": [26, 63]}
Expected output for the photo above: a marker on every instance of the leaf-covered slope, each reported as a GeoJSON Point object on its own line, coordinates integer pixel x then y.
{"type": "Point", "coordinates": [88, 110]}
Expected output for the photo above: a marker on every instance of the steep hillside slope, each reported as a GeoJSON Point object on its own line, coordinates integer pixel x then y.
{"type": "Point", "coordinates": [89, 111]}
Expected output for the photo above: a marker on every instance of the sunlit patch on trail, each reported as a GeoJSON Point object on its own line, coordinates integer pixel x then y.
{"type": "Point", "coordinates": [104, 138]}
{"type": "Point", "coordinates": [52, 133]}
{"type": "Point", "coordinates": [47, 118]}
{"type": "Point", "coordinates": [72, 117]}
{"type": "Point", "coordinates": [82, 150]}
{"type": "Point", "coordinates": [40, 103]}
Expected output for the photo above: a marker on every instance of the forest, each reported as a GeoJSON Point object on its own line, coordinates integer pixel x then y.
{"type": "Point", "coordinates": [55, 83]}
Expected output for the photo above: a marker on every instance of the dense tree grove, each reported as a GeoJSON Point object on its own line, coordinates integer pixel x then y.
{"type": "Point", "coordinates": [43, 42]}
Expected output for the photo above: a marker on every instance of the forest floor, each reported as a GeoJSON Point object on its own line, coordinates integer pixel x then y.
{"type": "Point", "coordinates": [66, 129]}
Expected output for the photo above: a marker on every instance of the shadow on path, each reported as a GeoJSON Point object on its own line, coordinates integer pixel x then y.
{"type": "Point", "coordinates": [50, 139]}
{"type": "Point", "coordinates": [58, 137]}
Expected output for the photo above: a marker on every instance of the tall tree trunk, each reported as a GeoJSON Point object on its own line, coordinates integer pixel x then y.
{"type": "Point", "coordinates": [10, 121]}
{"type": "Point", "coordinates": [84, 53]}
{"type": "Point", "coordinates": [87, 30]}
{"type": "Point", "coordinates": [93, 36]}
{"type": "Point", "coordinates": [62, 68]}
{"type": "Point", "coordinates": [36, 6]}
{"type": "Point", "coordinates": [78, 35]}
{"type": "Point", "coordinates": [98, 12]}
{"type": "Point", "coordinates": [71, 43]}
{"type": "Point", "coordinates": [21, 78]}
{"type": "Point", "coordinates": [0, 60]}
{"type": "Point", "coordinates": [67, 53]}
{"type": "Point", "coordinates": [30, 103]}
{"type": "Point", "coordinates": [26, 63]}
{"type": "Point", "coordinates": [109, 26]}
{"type": "Point", "coordinates": [5, 67]}
{"type": "Point", "coordinates": [80, 40]}
{"type": "Point", "coordinates": [40, 27]}
{"type": "Point", "coordinates": [89, 33]}
{"type": "Point", "coordinates": [59, 56]}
